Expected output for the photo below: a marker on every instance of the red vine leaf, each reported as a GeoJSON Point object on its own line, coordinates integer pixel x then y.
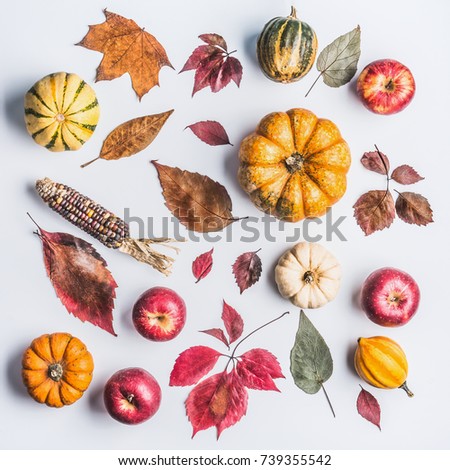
{"type": "Point", "coordinates": [210, 132]}
{"type": "Point", "coordinates": [376, 161]}
{"type": "Point", "coordinates": [374, 210]}
{"type": "Point", "coordinates": [80, 278]}
{"type": "Point", "coordinates": [413, 208]}
{"type": "Point", "coordinates": [405, 174]}
{"type": "Point", "coordinates": [257, 369]}
{"type": "Point", "coordinates": [202, 265]}
{"type": "Point", "coordinates": [233, 322]}
{"type": "Point", "coordinates": [213, 65]}
{"type": "Point", "coordinates": [368, 407]}
{"type": "Point", "coordinates": [247, 269]}
{"type": "Point", "coordinates": [193, 364]}
{"type": "Point", "coordinates": [217, 333]}
{"type": "Point", "coordinates": [220, 401]}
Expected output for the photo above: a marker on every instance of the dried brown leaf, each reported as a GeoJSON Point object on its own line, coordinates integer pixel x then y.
{"type": "Point", "coordinates": [413, 208]}
{"type": "Point", "coordinates": [376, 161]}
{"type": "Point", "coordinates": [198, 202]}
{"type": "Point", "coordinates": [405, 174]}
{"type": "Point", "coordinates": [127, 48]}
{"type": "Point", "coordinates": [131, 137]}
{"type": "Point", "coordinates": [374, 210]}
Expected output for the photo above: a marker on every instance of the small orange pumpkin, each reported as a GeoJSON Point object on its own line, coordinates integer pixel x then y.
{"type": "Point", "coordinates": [294, 165]}
{"type": "Point", "coordinates": [57, 369]}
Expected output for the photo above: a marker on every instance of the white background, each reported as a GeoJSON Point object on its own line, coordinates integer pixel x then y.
{"type": "Point", "coordinates": [38, 38]}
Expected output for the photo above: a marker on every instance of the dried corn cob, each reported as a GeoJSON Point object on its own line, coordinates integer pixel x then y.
{"type": "Point", "coordinates": [109, 229]}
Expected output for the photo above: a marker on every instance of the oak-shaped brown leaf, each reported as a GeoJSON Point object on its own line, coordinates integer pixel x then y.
{"type": "Point", "coordinates": [233, 322]}
{"type": "Point", "coordinates": [368, 407]}
{"type": "Point", "coordinates": [413, 208]}
{"type": "Point", "coordinates": [213, 65]}
{"type": "Point", "coordinates": [247, 269]}
{"type": "Point", "coordinates": [198, 202]}
{"type": "Point", "coordinates": [210, 132]}
{"type": "Point", "coordinates": [80, 278]}
{"type": "Point", "coordinates": [127, 48]}
{"type": "Point", "coordinates": [220, 401]}
{"type": "Point", "coordinates": [376, 161]}
{"type": "Point", "coordinates": [374, 210]}
{"type": "Point", "coordinates": [405, 174]}
{"type": "Point", "coordinates": [131, 137]}
{"type": "Point", "coordinates": [202, 265]}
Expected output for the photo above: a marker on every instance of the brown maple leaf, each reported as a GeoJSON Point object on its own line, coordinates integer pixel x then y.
{"type": "Point", "coordinates": [126, 48]}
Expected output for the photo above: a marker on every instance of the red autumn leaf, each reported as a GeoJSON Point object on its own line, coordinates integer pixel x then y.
{"type": "Point", "coordinates": [257, 369]}
{"type": "Point", "coordinates": [202, 265]}
{"type": "Point", "coordinates": [217, 333]}
{"type": "Point", "coordinates": [213, 65]}
{"type": "Point", "coordinates": [413, 208]}
{"type": "Point", "coordinates": [214, 39]}
{"type": "Point", "coordinates": [247, 269]}
{"type": "Point", "coordinates": [405, 174]}
{"type": "Point", "coordinates": [376, 161]}
{"type": "Point", "coordinates": [210, 132]}
{"type": "Point", "coordinates": [193, 364]}
{"type": "Point", "coordinates": [220, 401]}
{"type": "Point", "coordinates": [80, 278]}
{"type": "Point", "coordinates": [233, 322]}
{"type": "Point", "coordinates": [368, 407]}
{"type": "Point", "coordinates": [374, 210]}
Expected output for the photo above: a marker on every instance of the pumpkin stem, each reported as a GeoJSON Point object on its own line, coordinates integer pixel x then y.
{"type": "Point", "coordinates": [406, 389]}
{"type": "Point", "coordinates": [308, 277]}
{"type": "Point", "coordinates": [294, 162]}
{"type": "Point", "coordinates": [293, 12]}
{"type": "Point", "coordinates": [55, 371]}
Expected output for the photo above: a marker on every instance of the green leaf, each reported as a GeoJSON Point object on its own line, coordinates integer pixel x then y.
{"type": "Point", "coordinates": [338, 61]}
{"type": "Point", "coordinates": [311, 361]}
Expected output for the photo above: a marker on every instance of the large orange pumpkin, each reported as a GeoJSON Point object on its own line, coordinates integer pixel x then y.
{"type": "Point", "coordinates": [57, 369]}
{"type": "Point", "coordinates": [294, 165]}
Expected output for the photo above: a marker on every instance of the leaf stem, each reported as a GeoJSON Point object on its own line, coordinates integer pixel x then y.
{"type": "Point", "coordinates": [84, 165]}
{"type": "Point", "coordinates": [312, 86]}
{"type": "Point", "coordinates": [328, 399]}
{"type": "Point", "coordinates": [257, 329]}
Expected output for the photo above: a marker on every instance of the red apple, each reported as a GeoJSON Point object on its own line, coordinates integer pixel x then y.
{"type": "Point", "coordinates": [159, 314]}
{"type": "Point", "coordinates": [132, 395]}
{"type": "Point", "coordinates": [390, 297]}
{"type": "Point", "coordinates": [386, 86]}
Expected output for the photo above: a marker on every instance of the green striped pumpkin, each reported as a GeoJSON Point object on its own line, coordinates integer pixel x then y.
{"type": "Point", "coordinates": [286, 48]}
{"type": "Point", "coordinates": [61, 111]}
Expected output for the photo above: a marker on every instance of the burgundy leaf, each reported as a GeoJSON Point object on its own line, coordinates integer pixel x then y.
{"type": "Point", "coordinates": [220, 401]}
{"type": "Point", "coordinates": [413, 208]}
{"type": "Point", "coordinates": [374, 210]}
{"type": "Point", "coordinates": [193, 364]}
{"type": "Point", "coordinates": [233, 322]}
{"type": "Point", "coordinates": [80, 278]}
{"type": "Point", "coordinates": [405, 174]}
{"type": "Point", "coordinates": [368, 407]}
{"type": "Point", "coordinates": [376, 161]}
{"type": "Point", "coordinates": [202, 265]}
{"type": "Point", "coordinates": [210, 132]}
{"type": "Point", "coordinates": [213, 39]}
{"type": "Point", "coordinates": [217, 333]}
{"type": "Point", "coordinates": [233, 68]}
{"type": "Point", "coordinates": [200, 53]}
{"type": "Point", "coordinates": [203, 72]}
{"type": "Point", "coordinates": [247, 269]}
{"type": "Point", "coordinates": [220, 77]}
{"type": "Point", "coordinates": [257, 369]}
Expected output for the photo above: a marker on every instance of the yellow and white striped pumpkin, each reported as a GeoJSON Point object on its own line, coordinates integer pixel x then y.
{"type": "Point", "coordinates": [61, 111]}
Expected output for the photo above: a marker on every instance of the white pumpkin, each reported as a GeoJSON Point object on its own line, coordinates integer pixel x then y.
{"type": "Point", "coordinates": [308, 275]}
